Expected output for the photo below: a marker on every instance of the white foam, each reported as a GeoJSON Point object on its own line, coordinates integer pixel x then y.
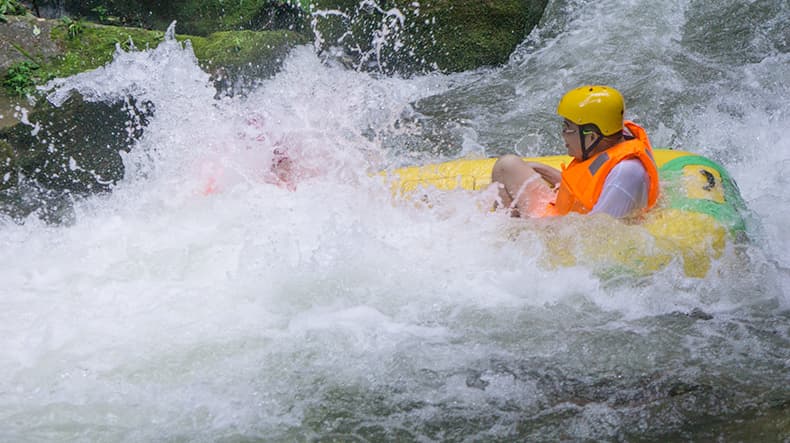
{"type": "Point", "coordinates": [166, 310]}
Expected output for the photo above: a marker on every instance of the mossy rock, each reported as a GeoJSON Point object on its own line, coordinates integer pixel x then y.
{"type": "Point", "coordinates": [95, 45]}
{"type": "Point", "coordinates": [255, 54]}
{"type": "Point", "coordinates": [232, 50]}
{"type": "Point", "coordinates": [194, 17]}
{"type": "Point", "coordinates": [252, 53]}
{"type": "Point", "coordinates": [444, 35]}
{"type": "Point", "coordinates": [226, 55]}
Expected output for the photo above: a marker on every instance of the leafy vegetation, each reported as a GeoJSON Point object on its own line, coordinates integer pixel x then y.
{"type": "Point", "coordinates": [10, 7]}
{"type": "Point", "coordinates": [73, 27]}
{"type": "Point", "coordinates": [22, 77]}
{"type": "Point", "coordinates": [101, 13]}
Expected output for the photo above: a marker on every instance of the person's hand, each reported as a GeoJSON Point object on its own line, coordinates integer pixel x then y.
{"type": "Point", "coordinates": [549, 174]}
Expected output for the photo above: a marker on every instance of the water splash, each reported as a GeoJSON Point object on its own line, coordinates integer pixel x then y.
{"type": "Point", "coordinates": [332, 309]}
{"type": "Point", "coordinates": [385, 39]}
{"type": "Point", "coordinates": [162, 74]}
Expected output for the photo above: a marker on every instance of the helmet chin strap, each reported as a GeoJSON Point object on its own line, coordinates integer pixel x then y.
{"type": "Point", "coordinates": [587, 150]}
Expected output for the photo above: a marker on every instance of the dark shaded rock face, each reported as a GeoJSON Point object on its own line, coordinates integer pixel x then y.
{"type": "Point", "coordinates": [70, 151]}
{"type": "Point", "coordinates": [8, 171]}
{"type": "Point", "coordinates": [405, 36]}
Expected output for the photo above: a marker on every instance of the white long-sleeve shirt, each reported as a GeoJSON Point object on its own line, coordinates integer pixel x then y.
{"type": "Point", "coordinates": [624, 190]}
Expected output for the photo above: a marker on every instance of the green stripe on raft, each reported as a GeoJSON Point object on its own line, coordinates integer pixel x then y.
{"type": "Point", "coordinates": [727, 212]}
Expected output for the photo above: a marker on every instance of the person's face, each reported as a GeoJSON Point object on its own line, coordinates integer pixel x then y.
{"type": "Point", "coordinates": [570, 133]}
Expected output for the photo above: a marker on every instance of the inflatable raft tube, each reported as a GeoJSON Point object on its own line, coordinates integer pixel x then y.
{"type": "Point", "coordinates": [700, 210]}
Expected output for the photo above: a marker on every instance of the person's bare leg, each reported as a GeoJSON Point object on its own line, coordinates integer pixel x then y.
{"type": "Point", "coordinates": [522, 189]}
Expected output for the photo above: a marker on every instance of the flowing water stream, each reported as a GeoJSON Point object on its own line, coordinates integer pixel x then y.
{"type": "Point", "coordinates": [204, 301]}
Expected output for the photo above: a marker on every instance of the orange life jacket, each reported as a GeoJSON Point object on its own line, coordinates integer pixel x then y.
{"type": "Point", "coordinates": [582, 181]}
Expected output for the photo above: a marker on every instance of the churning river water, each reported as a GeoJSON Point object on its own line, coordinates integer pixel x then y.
{"type": "Point", "coordinates": [201, 302]}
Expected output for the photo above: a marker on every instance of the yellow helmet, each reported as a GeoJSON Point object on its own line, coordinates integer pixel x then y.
{"type": "Point", "coordinates": [602, 106]}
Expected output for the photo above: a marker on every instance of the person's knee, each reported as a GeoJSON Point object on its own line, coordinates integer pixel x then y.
{"type": "Point", "coordinates": [506, 165]}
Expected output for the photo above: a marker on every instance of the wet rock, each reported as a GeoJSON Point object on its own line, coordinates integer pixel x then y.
{"type": "Point", "coordinates": [23, 40]}
{"type": "Point", "coordinates": [236, 59]}
{"type": "Point", "coordinates": [26, 39]}
{"type": "Point", "coordinates": [76, 147]}
{"type": "Point", "coordinates": [699, 314]}
{"type": "Point", "coordinates": [405, 36]}
{"type": "Point", "coordinates": [228, 56]}
{"type": "Point", "coordinates": [681, 388]}
{"type": "Point", "coordinates": [28, 199]}
{"type": "Point", "coordinates": [194, 17]}
{"type": "Point", "coordinates": [8, 168]}
{"type": "Point", "coordinates": [67, 151]}
{"type": "Point", "coordinates": [475, 380]}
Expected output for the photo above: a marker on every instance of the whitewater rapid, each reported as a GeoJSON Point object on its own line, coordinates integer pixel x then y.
{"type": "Point", "coordinates": [204, 300]}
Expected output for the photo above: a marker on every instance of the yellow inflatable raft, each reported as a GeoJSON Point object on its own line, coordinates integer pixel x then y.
{"type": "Point", "coordinates": [699, 211]}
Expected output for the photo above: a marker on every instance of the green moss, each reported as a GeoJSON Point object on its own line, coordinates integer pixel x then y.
{"type": "Point", "coordinates": [95, 46]}
{"type": "Point", "coordinates": [233, 50]}
{"type": "Point", "coordinates": [237, 50]}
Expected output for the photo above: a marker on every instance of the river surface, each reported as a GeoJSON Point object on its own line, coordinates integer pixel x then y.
{"type": "Point", "coordinates": [203, 300]}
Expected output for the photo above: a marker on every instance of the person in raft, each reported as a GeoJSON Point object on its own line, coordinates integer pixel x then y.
{"type": "Point", "coordinates": [612, 170]}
